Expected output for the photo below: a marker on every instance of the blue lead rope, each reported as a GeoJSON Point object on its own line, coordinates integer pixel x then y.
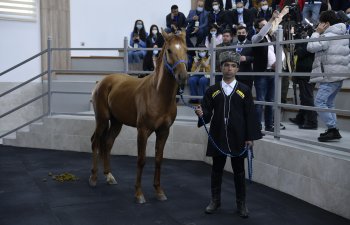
{"type": "Point", "coordinates": [247, 149]}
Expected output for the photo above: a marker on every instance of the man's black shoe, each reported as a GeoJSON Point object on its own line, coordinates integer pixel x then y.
{"type": "Point", "coordinates": [212, 207]}
{"type": "Point", "coordinates": [270, 129]}
{"type": "Point", "coordinates": [330, 135]}
{"type": "Point", "coordinates": [308, 127]}
{"type": "Point", "coordinates": [295, 121]}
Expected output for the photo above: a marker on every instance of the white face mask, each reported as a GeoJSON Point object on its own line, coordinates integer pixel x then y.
{"type": "Point", "coordinates": [215, 7]}
{"type": "Point", "coordinates": [139, 26]}
{"type": "Point", "coordinates": [213, 33]}
{"type": "Point", "coordinates": [199, 9]}
{"type": "Point", "coordinates": [154, 32]}
{"type": "Point", "coordinates": [348, 15]}
{"type": "Point", "coordinates": [240, 10]}
{"type": "Point", "coordinates": [264, 7]}
{"type": "Point", "coordinates": [202, 54]}
{"type": "Point", "coordinates": [155, 52]}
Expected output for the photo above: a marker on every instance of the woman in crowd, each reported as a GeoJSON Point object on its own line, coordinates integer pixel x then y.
{"type": "Point", "coordinates": [154, 40]}
{"type": "Point", "coordinates": [137, 40]}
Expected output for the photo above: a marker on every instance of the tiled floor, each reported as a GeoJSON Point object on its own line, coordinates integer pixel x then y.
{"type": "Point", "coordinates": [29, 196]}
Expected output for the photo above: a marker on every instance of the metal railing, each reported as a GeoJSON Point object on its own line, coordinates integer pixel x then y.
{"type": "Point", "coordinates": [278, 74]}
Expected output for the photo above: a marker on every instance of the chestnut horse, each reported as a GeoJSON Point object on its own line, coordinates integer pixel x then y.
{"type": "Point", "coordinates": [149, 104]}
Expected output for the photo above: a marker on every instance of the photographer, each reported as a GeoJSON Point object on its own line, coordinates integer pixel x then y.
{"type": "Point", "coordinates": [330, 57]}
{"type": "Point", "coordinates": [305, 119]}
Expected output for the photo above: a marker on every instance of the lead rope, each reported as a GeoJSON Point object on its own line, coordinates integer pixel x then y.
{"type": "Point", "coordinates": [247, 149]}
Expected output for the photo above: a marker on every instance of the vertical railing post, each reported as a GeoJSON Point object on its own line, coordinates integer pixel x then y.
{"type": "Point", "coordinates": [212, 53]}
{"type": "Point", "coordinates": [49, 54]}
{"type": "Point", "coordinates": [278, 79]}
{"type": "Point", "coordinates": [126, 59]}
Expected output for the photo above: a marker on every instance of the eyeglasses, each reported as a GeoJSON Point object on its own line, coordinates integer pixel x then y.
{"type": "Point", "coordinates": [233, 65]}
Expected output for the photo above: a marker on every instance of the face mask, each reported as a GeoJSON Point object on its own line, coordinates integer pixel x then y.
{"type": "Point", "coordinates": [155, 52]}
{"type": "Point", "coordinates": [199, 9]}
{"type": "Point", "coordinates": [154, 32]}
{"type": "Point", "coordinates": [264, 7]}
{"type": "Point", "coordinates": [241, 38]}
{"type": "Point", "coordinates": [348, 15]}
{"type": "Point", "coordinates": [202, 54]}
{"type": "Point", "coordinates": [213, 33]}
{"type": "Point", "coordinates": [240, 10]}
{"type": "Point", "coordinates": [215, 7]}
{"type": "Point", "coordinates": [139, 26]}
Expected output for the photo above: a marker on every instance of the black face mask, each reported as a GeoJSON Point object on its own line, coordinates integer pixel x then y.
{"type": "Point", "coordinates": [241, 38]}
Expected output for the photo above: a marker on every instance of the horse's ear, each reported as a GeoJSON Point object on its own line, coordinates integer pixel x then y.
{"type": "Point", "coordinates": [165, 34]}
{"type": "Point", "coordinates": [183, 33]}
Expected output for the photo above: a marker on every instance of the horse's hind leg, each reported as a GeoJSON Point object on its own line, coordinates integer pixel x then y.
{"type": "Point", "coordinates": [97, 145]}
{"type": "Point", "coordinates": [142, 136]}
{"type": "Point", "coordinates": [113, 132]}
{"type": "Point", "coordinates": [162, 136]}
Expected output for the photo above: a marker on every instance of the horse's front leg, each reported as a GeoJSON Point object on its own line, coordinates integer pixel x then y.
{"type": "Point", "coordinates": [142, 136]}
{"type": "Point", "coordinates": [162, 136]}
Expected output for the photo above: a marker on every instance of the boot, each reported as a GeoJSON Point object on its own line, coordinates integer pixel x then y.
{"type": "Point", "coordinates": [330, 135]}
{"type": "Point", "coordinates": [216, 179]}
{"type": "Point", "coordinates": [242, 209]}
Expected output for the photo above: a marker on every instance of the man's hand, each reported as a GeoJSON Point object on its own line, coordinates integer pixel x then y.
{"type": "Point", "coordinates": [196, 29]}
{"type": "Point", "coordinates": [284, 11]}
{"type": "Point", "coordinates": [199, 111]}
{"type": "Point", "coordinates": [275, 15]}
{"type": "Point", "coordinates": [195, 17]}
{"type": "Point", "coordinates": [249, 144]}
{"type": "Point", "coordinates": [321, 28]}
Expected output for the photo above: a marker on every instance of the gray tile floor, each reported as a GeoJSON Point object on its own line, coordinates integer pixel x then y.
{"type": "Point", "coordinates": [25, 198]}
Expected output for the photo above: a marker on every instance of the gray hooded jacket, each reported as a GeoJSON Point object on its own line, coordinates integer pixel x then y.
{"type": "Point", "coordinates": [333, 56]}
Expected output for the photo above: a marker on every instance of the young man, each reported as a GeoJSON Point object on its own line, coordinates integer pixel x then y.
{"type": "Point", "coordinates": [330, 57]}
{"type": "Point", "coordinates": [229, 106]}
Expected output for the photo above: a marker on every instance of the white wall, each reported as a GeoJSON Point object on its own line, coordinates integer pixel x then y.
{"type": "Point", "coordinates": [18, 41]}
{"type": "Point", "coordinates": [105, 23]}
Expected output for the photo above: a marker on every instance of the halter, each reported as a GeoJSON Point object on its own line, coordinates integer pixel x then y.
{"type": "Point", "coordinates": [172, 67]}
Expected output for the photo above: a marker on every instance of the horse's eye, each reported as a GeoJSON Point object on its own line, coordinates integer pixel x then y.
{"type": "Point", "coordinates": [169, 51]}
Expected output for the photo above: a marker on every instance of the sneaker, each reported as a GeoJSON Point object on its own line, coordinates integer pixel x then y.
{"type": "Point", "coordinates": [282, 127]}
{"type": "Point", "coordinates": [329, 135]}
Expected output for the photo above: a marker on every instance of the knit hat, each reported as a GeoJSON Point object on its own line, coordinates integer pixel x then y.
{"type": "Point", "coordinates": [229, 56]}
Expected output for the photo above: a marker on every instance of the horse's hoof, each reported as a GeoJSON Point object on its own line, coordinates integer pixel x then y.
{"type": "Point", "coordinates": [162, 197]}
{"type": "Point", "coordinates": [92, 182]}
{"type": "Point", "coordinates": [110, 179]}
{"type": "Point", "coordinates": [140, 199]}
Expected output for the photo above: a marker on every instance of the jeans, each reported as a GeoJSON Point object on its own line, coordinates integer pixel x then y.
{"type": "Point", "coordinates": [136, 56]}
{"type": "Point", "coordinates": [265, 91]}
{"type": "Point", "coordinates": [325, 99]}
{"type": "Point", "coordinates": [198, 84]}
{"type": "Point", "coordinates": [314, 9]}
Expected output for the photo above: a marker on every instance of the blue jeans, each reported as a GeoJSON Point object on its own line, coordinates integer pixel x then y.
{"type": "Point", "coordinates": [325, 99]}
{"type": "Point", "coordinates": [198, 84]}
{"type": "Point", "coordinates": [136, 56]}
{"type": "Point", "coordinates": [314, 9]}
{"type": "Point", "coordinates": [265, 91]}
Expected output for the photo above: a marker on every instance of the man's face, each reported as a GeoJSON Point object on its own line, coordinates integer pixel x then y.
{"type": "Point", "coordinates": [239, 4]}
{"type": "Point", "coordinates": [226, 38]}
{"type": "Point", "coordinates": [229, 69]}
{"type": "Point", "coordinates": [175, 12]}
{"type": "Point", "coordinates": [263, 3]}
{"type": "Point", "coordinates": [242, 32]}
{"type": "Point", "coordinates": [200, 4]}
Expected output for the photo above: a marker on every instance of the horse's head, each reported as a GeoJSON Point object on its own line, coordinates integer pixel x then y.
{"type": "Point", "coordinates": [175, 55]}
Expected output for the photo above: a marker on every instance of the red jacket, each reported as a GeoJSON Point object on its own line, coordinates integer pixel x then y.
{"type": "Point", "coordinates": [301, 4]}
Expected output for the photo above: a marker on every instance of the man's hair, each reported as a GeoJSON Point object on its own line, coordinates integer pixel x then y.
{"type": "Point", "coordinates": [241, 27]}
{"type": "Point", "coordinates": [227, 31]}
{"type": "Point", "coordinates": [174, 7]}
{"type": "Point", "coordinates": [329, 16]}
{"type": "Point", "coordinates": [216, 1]}
{"type": "Point", "coordinates": [257, 21]}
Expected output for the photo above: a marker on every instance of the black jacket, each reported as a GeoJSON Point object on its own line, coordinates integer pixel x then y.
{"type": "Point", "coordinates": [260, 57]}
{"type": "Point", "coordinates": [232, 18]}
{"type": "Point", "coordinates": [241, 119]}
{"type": "Point", "coordinates": [305, 60]}
{"type": "Point", "coordinates": [150, 42]}
{"type": "Point", "coordinates": [180, 22]}
{"type": "Point", "coordinates": [247, 65]}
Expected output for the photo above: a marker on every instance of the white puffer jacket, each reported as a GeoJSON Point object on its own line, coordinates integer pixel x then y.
{"type": "Point", "coordinates": [334, 55]}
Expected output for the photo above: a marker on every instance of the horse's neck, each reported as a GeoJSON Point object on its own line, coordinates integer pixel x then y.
{"type": "Point", "coordinates": [165, 82]}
